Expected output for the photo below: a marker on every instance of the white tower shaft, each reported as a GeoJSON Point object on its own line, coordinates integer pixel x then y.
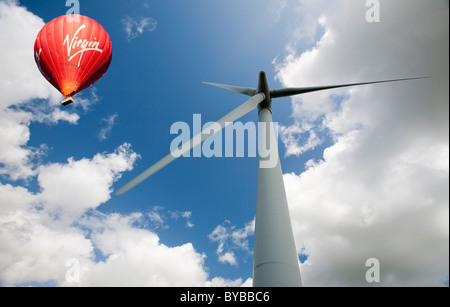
{"type": "Point", "coordinates": [275, 258]}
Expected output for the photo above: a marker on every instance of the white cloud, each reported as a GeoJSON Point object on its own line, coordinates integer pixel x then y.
{"type": "Point", "coordinates": [40, 232]}
{"type": "Point", "coordinates": [34, 249]}
{"type": "Point", "coordinates": [57, 116]}
{"type": "Point", "coordinates": [20, 79]}
{"type": "Point", "coordinates": [293, 138]}
{"type": "Point", "coordinates": [135, 27]}
{"type": "Point", "coordinates": [14, 198]}
{"type": "Point", "coordinates": [221, 282]}
{"type": "Point", "coordinates": [187, 215]}
{"type": "Point", "coordinates": [69, 190]}
{"type": "Point", "coordinates": [231, 239]}
{"type": "Point", "coordinates": [227, 257]}
{"type": "Point", "coordinates": [37, 234]}
{"type": "Point", "coordinates": [108, 124]}
{"type": "Point", "coordinates": [157, 218]}
{"type": "Point", "coordinates": [135, 257]}
{"type": "Point", "coordinates": [381, 190]}
{"type": "Point", "coordinates": [14, 134]}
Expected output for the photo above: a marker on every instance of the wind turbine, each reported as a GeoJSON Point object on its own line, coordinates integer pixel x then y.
{"type": "Point", "coordinates": [275, 262]}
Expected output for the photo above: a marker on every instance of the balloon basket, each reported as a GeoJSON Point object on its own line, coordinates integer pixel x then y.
{"type": "Point", "coordinates": [67, 101]}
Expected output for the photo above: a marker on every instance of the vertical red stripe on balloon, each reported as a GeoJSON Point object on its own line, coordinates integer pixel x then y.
{"type": "Point", "coordinates": [101, 61]}
{"type": "Point", "coordinates": [90, 30]}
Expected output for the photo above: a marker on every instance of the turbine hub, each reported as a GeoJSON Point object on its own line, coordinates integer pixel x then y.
{"type": "Point", "coordinates": [263, 87]}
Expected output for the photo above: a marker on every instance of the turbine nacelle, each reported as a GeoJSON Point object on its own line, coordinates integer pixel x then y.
{"type": "Point", "coordinates": [263, 87]}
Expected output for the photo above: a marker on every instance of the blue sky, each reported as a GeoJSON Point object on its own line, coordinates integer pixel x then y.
{"type": "Point", "coordinates": [346, 189]}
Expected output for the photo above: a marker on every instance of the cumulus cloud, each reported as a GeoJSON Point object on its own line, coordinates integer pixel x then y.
{"type": "Point", "coordinates": [69, 190]}
{"type": "Point", "coordinates": [135, 27]}
{"type": "Point", "coordinates": [35, 250]}
{"type": "Point", "coordinates": [136, 257]}
{"type": "Point", "coordinates": [42, 231]}
{"type": "Point", "coordinates": [381, 189]}
{"type": "Point", "coordinates": [37, 233]}
{"type": "Point", "coordinates": [14, 156]}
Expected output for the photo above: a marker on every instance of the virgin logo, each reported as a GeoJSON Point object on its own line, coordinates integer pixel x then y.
{"type": "Point", "coordinates": [82, 45]}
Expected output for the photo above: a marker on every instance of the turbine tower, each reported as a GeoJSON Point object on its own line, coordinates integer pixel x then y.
{"type": "Point", "coordinates": [275, 262]}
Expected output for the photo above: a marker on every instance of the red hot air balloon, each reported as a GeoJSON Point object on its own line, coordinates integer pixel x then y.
{"type": "Point", "coordinates": [72, 52]}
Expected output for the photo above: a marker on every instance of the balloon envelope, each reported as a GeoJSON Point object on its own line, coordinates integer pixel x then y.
{"type": "Point", "coordinates": [73, 52]}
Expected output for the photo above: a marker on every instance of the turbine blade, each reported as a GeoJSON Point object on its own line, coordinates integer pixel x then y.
{"type": "Point", "coordinates": [234, 115]}
{"type": "Point", "coordinates": [237, 89]}
{"type": "Point", "coordinates": [285, 92]}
